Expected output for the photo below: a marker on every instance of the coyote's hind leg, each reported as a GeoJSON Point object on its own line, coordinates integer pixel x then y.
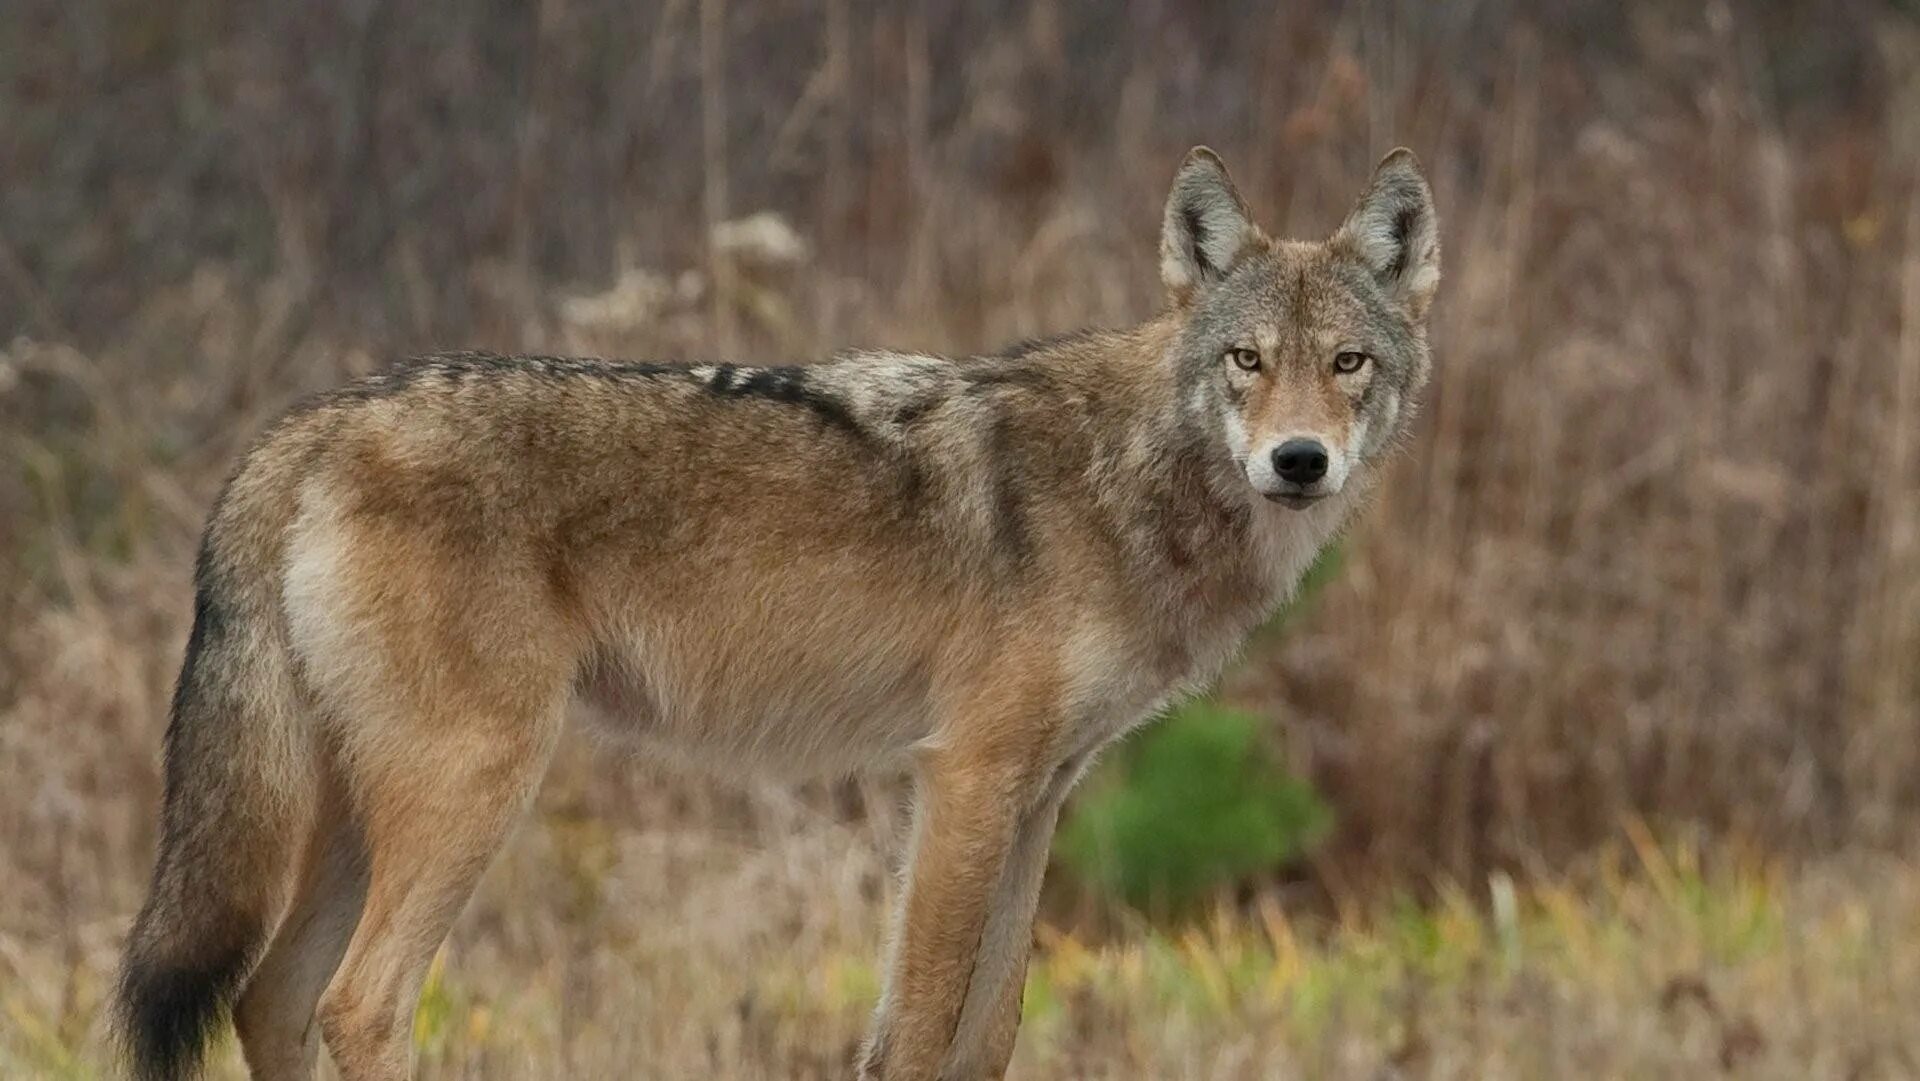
{"type": "Point", "coordinates": [275, 1015]}
{"type": "Point", "coordinates": [434, 818]}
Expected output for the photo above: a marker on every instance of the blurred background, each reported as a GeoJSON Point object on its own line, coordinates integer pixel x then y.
{"type": "Point", "coordinates": [1593, 751]}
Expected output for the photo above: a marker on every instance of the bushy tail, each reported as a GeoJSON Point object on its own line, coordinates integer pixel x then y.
{"type": "Point", "coordinates": [229, 829]}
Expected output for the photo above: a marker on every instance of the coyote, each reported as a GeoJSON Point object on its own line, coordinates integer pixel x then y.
{"type": "Point", "coordinates": [984, 569]}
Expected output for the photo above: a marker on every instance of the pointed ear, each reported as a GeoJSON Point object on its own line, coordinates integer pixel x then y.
{"type": "Point", "coordinates": [1206, 226]}
{"type": "Point", "coordinates": [1394, 232]}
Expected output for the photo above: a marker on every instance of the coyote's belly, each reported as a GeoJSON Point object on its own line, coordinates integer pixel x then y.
{"type": "Point", "coordinates": [774, 705]}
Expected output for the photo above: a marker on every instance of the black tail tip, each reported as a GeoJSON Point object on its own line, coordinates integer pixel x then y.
{"type": "Point", "coordinates": [167, 1013]}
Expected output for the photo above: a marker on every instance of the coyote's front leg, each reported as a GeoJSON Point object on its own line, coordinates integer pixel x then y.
{"type": "Point", "coordinates": [983, 1042]}
{"type": "Point", "coordinates": [955, 943]}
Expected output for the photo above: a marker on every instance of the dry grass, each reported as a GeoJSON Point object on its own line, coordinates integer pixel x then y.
{"type": "Point", "coordinates": [1655, 555]}
{"type": "Point", "coordinates": [596, 953]}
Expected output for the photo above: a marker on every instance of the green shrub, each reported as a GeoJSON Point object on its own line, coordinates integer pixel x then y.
{"type": "Point", "coordinates": [1194, 802]}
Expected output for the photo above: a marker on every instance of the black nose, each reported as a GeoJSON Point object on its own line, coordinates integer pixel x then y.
{"type": "Point", "coordinates": [1300, 461]}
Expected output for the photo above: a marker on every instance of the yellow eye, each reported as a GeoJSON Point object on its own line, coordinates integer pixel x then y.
{"type": "Point", "coordinates": [1349, 362]}
{"type": "Point", "coordinates": [1247, 360]}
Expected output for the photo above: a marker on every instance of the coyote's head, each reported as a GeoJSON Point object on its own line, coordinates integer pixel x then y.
{"type": "Point", "coordinates": [1305, 356]}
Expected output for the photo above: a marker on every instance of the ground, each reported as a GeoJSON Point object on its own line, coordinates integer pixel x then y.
{"type": "Point", "coordinates": [596, 951]}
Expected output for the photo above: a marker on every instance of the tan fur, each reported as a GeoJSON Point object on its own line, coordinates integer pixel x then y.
{"type": "Point", "coordinates": [985, 569]}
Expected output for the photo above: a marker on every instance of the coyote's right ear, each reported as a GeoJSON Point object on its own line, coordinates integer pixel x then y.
{"type": "Point", "coordinates": [1206, 226]}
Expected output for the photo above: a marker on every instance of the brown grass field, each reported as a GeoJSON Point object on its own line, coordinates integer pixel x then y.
{"type": "Point", "coordinates": [1614, 698]}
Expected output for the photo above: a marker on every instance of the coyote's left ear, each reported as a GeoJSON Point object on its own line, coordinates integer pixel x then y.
{"type": "Point", "coordinates": [1206, 227]}
{"type": "Point", "coordinates": [1393, 231]}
